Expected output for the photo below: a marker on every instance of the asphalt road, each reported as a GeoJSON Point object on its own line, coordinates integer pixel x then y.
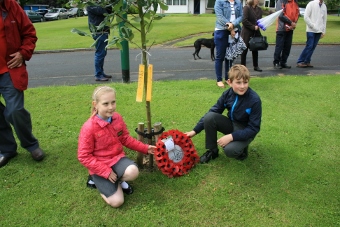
{"type": "Point", "coordinates": [77, 67]}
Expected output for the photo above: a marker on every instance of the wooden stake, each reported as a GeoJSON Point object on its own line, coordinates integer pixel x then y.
{"type": "Point", "coordinates": [140, 156]}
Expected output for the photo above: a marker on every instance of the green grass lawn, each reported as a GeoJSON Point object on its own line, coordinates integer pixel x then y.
{"type": "Point", "coordinates": [55, 35]}
{"type": "Point", "coordinates": [291, 177]}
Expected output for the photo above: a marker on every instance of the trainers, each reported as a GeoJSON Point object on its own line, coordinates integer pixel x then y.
{"type": "Point", "coordinates": [309, 65]}
{"type": "Point", "coordinates": [277, 66]}
{"type": "Point", "coordinates": [285, 66]}
{"type": "Point", "coordinates": [208, 155]}
{"type": "Point", "coordinates": [244, 154]}
{"type": "Point", "coordinates": [90, 183]}
{"type": "Point", "coordinates": [301, 65]}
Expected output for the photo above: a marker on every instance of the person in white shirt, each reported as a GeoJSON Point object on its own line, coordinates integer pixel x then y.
{"type": "Point", "coordinates": [316, 19]}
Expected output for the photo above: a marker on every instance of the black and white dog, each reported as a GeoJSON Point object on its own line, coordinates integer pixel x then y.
{"type": "Point", "coordinates": [209, 43]}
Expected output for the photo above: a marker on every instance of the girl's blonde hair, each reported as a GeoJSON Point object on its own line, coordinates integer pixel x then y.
{"type": "Point", "coordinates": [238, 72]}
{"type": "Point", "coordinates": [97, 93]}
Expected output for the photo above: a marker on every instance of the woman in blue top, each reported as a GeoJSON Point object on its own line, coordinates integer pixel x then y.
{"type": "Point", "coordinates": [228, 18]}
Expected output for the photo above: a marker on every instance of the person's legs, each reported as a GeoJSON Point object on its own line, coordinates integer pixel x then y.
{"type": "Point", "coordinates": [8, 146]}
{"type": "Point", "coordinates": [288, 38]}
{"type": "Point", "coordinates": [213, 123]}
{"type": "Point", "coordinates": [110, 190]}
{"type": "Point", "coordinates": [228, 64]}
{"type": "Point", "coordinates": [112, 193]}
{"type": "Point", "coordinates": [278, 47]}
{"type": "Point", "coordinates": [221, 41]}
{"type": "Point", "coordinates": [115, 200]}
{"type": "Point", "coordinates": [244, 57]}
{"type": "Point", "coordinates": [15, 114]}
{"type": "Point", "coordinates": [131, 173]}
{"type": "Point", "coordinates": [308, 48]}
{"type": "Point", "coordinates": [237, 149]}
{"type": "Point", "coordinates": [100, 54]}
{"type": "Point", "coordinates": [255, 55]}
{"type": "Point", "coordinates": [316, 38]}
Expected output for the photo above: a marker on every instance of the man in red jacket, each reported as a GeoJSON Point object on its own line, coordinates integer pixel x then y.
{"type": "Point", "coordinates": [17, 43]}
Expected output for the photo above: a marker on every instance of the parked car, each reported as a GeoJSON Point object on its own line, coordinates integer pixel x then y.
{"type": "Point", "coordinates": [56, 14]}
{"type": "Point", "coordinates": [33, 16]}
{"type": "Point", "coordinates": [75, 12]}
{"type": "Point", "coordinates": [302, 12]}
{"type": "Point", "coordinates": [42, 12]}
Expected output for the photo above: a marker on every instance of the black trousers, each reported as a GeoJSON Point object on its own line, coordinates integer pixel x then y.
{"type": "Point", "coordinates": [214, 123]}
{"type": "Point", "coordinates": [282, 47]}
{"type": "Point", "coordinates": [255, 55]}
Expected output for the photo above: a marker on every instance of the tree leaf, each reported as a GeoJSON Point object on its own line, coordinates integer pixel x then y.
{"type": "Point", "coordinates": [163, 6]}
{"type": "Point", "coordinates": [137, 19]}
{"type": "Point", "coordinates": [81, 33]}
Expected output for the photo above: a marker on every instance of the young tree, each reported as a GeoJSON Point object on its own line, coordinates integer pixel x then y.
{"type": "Point", "coordinates": [123, 29]}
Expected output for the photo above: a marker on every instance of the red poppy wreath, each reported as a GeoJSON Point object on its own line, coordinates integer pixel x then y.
{"type": "Point", "coordinates": [175, 153]}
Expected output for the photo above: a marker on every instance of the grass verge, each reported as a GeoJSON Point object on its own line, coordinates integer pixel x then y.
{"type": "Point", "coordinates": [291, 177]}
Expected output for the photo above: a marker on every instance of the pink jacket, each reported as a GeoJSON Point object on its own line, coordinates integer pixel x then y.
{"type": "Point", "coordinates": [100, 144]}
{"type": "Point", "coordinates": [20, 36]}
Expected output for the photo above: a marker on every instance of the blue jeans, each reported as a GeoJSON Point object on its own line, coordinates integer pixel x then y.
{"type": "Point", "coordinates": [311, 43]}
{"type": "Point", "coordinates": [100, 54]}
{"type": "Point", "coordinates": [221, 44]}
{"type": "Point", "coordinates": [16, 115]}
{"type": "Point", "coordinates": [283, 45]}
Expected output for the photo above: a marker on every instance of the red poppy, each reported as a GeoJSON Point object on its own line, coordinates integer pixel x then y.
{"type": "Point", "coordinates": [179, 160]}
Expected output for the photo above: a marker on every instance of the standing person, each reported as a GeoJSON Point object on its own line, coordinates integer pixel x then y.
{"type": "Point", "coordinates": [95, 17]}
{"type": "Point", "coordinates": [241, 124]}
{"type": "Point", "coordinates": [17, 43]}
{"type": "Point", "coordinates": [100, 148]}
{"type": "Point", "coordinates": [286, 23]}
{"type": "Point", "coordinates": [316, 19]}
{"type": "Point", "coordinates": [251, 13]}
{"type": "Point", "coordinates": [228, 19]}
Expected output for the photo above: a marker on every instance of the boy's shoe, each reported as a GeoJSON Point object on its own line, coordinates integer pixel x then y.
{"type": "Point", "coordinates": [128, 190]}
{"type": "Point", "coordinates": [90, 183]}
{"type": "Point", "coordinates": [244, 155]}
{"type": "Point", "coordinates": [208, 155]}
{"type": "Point", "coordinates": [309, 65]}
